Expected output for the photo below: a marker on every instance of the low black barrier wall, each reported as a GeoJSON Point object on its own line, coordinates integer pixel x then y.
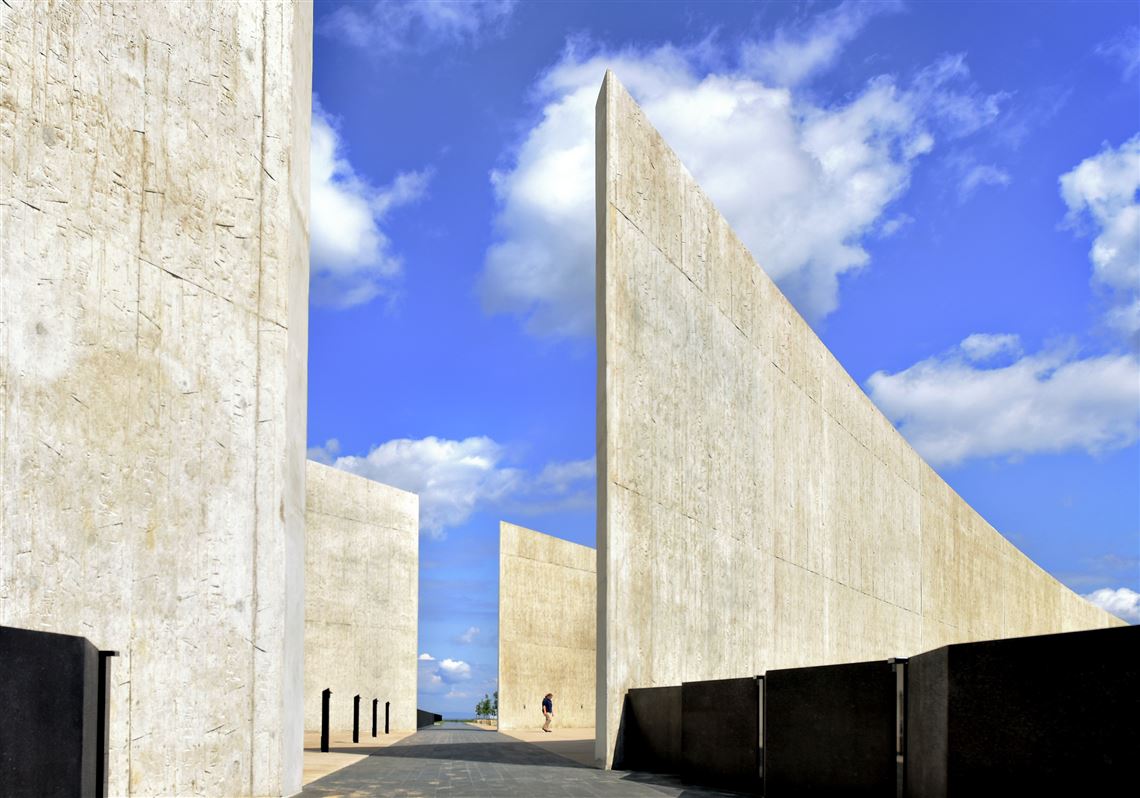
{"type": "Point", "coordinates": [649, 733]}
{"type": "Point", "coordinates": [426, 718]}
{"type": "Point", "coordinates": [831, 730]}
{"type": "Point", "coordinates": [1048, 715]}
{"type": "Point", "coordinates": [720, 733]}
{"type": "Point", "coordinates": [53, 704]}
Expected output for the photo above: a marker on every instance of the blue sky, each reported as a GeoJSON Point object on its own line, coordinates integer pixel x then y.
{"type": "Point", "coordinates": [947, 191]}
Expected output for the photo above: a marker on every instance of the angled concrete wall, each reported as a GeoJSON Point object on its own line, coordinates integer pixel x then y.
{"type": "Point", "coordinates": [547, 614]}
{"type": "Point", "coordinates": [153, 339]}
{"type": "Point", "coordinates": [362, 558]}
{"type": "Point", "coordinates": [755, 510]}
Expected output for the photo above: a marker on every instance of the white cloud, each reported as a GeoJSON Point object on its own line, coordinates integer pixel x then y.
{"type": "Point", "coordinates": [452, 478]}
{"type": "Point", "coordinates": [401, 26]}
{"type": "Point", "coordinates": [454, 670]}
{"type": "Point", "coordinates": [801, 184]}
{"type": "Point", "coordinates": [980, 347]}
{"type": "Point", "coordinates": [562, 477]}
{"type": "Point", "coordinates": [981, 175]}
{"type": "Point", "coordinates": [426, 657]}
{"type": "Point", "coordinates": [469, 635]}
{"type": "Point", "coordinates": [952, 409]}
{"type": "Point", "coordinates": [455, 478]}
{"type": "Point", "coordinates": [352, 259]}
{"type": "Point", "coordinates": [1124, 49]}
{"type": "Point", "coordinates": [324, 454]}
{"type": "Point", "coordinates": [1102, 190]}
{"type": "Point", "coordinates": [1122, 602]}
{"type": "Point", "coordinates": [429, 680]}
{"type": "Point", "coordinates": [894, 224]}
{"type": "Point", "coordinates": [944, 93]}
{"type": "Point", "coordinates": [791, 56]}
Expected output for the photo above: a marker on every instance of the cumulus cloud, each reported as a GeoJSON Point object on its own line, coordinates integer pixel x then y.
{"type": "Point", "coordinates": [952, 408]}
{"type": "Point", "coordinates": [1101, 192]}
{"type": "Point", "coordinates": [426, 657]}
{"type": "Point", "coordinates": [801, 184]}
{"type": "Point", "coordinates": [352, 258]}
{"type": "Point", "coordinates": [455, 478]}
{"type": "Point", "coordinates": [454, 670]}
{"type": "Point", "coordinates": [1122, 602]}
{"type": "Point", "coordinates": [469, 635]}
{"type": "Point", "coordinates": [793, 55]}
{"type": "Point", "coordinates": [440, 677]}
{"type": "Point", "coordinates": [401, 26]}
{"type": "Point", "coordinates": [429, 681]}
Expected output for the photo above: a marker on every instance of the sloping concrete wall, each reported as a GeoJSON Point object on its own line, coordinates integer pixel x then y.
{"type": "Point", "coordinates": [755, 510]}
{"type": "Point", "coordinates": [362, 557]}
{"type": "Point", "coordinates": [154, 160]}
{"type": "Point", "coordinates": [547, 635]}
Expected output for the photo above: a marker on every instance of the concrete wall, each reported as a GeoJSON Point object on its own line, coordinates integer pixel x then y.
{"type": "Point", "coordinates": [547, 634]}
{"type": "Point", "coordinates": [755, 510]}
{"type": "Point", "coordinates": [153, 340]}
{"type": "Point", "coordinates": [362, 547]}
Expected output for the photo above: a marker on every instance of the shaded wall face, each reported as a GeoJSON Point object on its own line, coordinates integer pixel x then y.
{"type": "Point", "coordinates": [755, 510]}
{"type": "Point", "coordinates": [547, 633]}
{"type": "Point", "coordinates": [361, 599]}
{"type": "Point", "coordinates": [153, 311]}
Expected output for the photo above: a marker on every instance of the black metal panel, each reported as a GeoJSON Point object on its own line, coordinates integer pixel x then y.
{"type": "Point", "coordinates": [424, 718]}
{"type": "Point", "coordinates": [720, 733]}
{"type": "Point", "coordinates": [49, 701]}
{"type": "Point", "coordinates": [1046, 715]}
{"type": "Point", "coordinates": [831, 731]}
{"type": "Point", "coordinates": [102, 721]}
{"type": "Point", "coordinates": [649, 733]}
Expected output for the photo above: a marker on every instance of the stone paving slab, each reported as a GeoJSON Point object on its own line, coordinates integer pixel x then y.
{"type": "Point", "coordinates": [461, 761]}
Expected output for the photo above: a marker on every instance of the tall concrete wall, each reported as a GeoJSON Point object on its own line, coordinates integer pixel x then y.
{"type": "Point", "coordinates": [755, 510]}
{"type": "Point", "coordinates": [547, 634]}
{"type": "Point", "coordinates": [362, 558]}
{"type": "Point", "coordinates": [153, 340]}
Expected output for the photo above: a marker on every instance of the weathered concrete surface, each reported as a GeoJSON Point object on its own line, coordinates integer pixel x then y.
{"type": "Point", "coordinates": [755, 510]}
{"type": "Point", "coordinates": [547, 593]}
{"type": "Point", "coordinates": [362, 558]}
{"type": "Point", "coordinates": [153, 344]}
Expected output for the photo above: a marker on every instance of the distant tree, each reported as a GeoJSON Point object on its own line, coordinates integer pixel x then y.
{"type": "Point", "coordinates": [495, 705]}
{"type": "Point", "coordinates": [483, 707]}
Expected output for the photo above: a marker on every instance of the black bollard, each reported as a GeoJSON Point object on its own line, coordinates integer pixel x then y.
{"type": "Point", "coordinates": [375, 702]}
{"type": "Point", "coordinates": [356, 718]}
{"type": "Point", "coordinates": [387, 707]}
{"type": "Point", "coordinates": [325, 694]}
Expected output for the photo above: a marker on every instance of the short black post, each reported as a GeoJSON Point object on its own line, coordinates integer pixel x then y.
{"type": "Point", "coordinates": [325, 694]}
{"type": "Point", "coordinates": [375, 702]}
{"type": "Point", "coordinates": [356, 718]}
{"type": "Point", "coordinates": [387, 707]}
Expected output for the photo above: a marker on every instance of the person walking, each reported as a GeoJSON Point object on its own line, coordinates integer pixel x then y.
{"type": "Point", "coordinates": [548, 710]}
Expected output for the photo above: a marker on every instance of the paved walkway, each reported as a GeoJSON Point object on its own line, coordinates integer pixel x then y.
{"type": "Point", "coordinates": [461, 761]}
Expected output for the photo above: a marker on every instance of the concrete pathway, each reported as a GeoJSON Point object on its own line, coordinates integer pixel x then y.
{"type": "Point", "coordinates": [461, 761]}
{"type": "Point", "coordinates": [342, 751]}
